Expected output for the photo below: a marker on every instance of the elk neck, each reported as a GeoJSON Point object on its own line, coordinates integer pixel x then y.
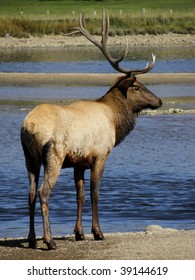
{"type": "Point", "coordinates": [122, 116]}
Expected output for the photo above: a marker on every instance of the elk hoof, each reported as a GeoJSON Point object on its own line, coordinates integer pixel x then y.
{"type": "Point", "coordinates": [79, 236]}
{"type": "Point", "coordinates": [98, 236]}
{"type": "Point", "coordinates": [32, 244]}
{"type": "Point", "coordinates": [51, 245]}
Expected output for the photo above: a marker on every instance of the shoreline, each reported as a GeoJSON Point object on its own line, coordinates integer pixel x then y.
{"type": "Point", "coordinates": [62, 41]}
{"type": "Point", "coordinates": [155, 243]}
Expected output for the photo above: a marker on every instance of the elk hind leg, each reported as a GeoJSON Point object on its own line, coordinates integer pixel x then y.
{"type": "Point", "coordinates": [33, 167]}
{"type": "Point", "coordinates": [33, 178]}
{"type": "Point", "coordinates": [52, 166]}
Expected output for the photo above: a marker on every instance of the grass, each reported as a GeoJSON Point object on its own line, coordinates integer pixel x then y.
{"type": "Point", "coordinates": [66, 7]}
{"type": "Point", "coordinates": [37, 17]}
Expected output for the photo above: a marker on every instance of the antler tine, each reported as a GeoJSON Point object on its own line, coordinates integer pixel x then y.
{"type": "Point", "coordinates": [105, 27]}
{"type": "Point", "coordinates": [82, 20]}
{"type": "Point", "coordinates": [126, 49]}
{"type": "Point", "coordinates": [84, 31]}
{"type": "Point", "coordinates": [147, 68]}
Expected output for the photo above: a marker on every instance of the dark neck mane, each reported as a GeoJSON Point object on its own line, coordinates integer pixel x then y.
{"type": "Point", "coordinates": [124, 118]}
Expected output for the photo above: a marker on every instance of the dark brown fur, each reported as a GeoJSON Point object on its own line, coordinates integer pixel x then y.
{"type": "Point", "coordinates": [124, 118]}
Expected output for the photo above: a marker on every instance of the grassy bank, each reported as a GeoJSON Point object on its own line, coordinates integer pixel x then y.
{"type": "Point", "coordinates": [23, 18]}
{"type": "Point", "coordinates": [23, 26]}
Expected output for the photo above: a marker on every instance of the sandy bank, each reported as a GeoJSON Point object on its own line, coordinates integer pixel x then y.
{"type": "Point", "coordinates": [56, 41]}
{"type": "Point", "coordinates": [88, 79]}
{"type": "Point", "coordinates": [154, 244]}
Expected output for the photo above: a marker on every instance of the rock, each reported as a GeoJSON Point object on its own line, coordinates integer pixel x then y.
{"type": "Point", "coordinates": [175, 111]}
{"type": "Point", "coordinates": [154, 229]}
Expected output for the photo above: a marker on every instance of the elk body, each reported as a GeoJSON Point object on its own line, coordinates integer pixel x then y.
{"type": "Point", "coordinates": [81, 136]}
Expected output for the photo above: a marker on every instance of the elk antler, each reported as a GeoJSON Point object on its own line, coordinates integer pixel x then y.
{"type": "Point", "coordinates": [104, 49]}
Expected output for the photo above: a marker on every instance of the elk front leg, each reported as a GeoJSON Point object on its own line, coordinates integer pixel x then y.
{"type": "Point", "coordinates": [79, 183]}
{"type": "Point", "coordinates": [96, 175]}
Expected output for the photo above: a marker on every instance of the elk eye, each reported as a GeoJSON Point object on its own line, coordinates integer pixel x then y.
{"type": "Point", "coordinates": [136, 88]}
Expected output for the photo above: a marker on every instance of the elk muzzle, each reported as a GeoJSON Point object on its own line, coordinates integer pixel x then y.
{"type": "Point", "coordinates": [157, 105]}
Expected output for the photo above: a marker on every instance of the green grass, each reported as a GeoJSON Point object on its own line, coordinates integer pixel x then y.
{"type": "Point", "coordinates": [66, 7]}
{"type": "Point", "coordinates": [37, 17]}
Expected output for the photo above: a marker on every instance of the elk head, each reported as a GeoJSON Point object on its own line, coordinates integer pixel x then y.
{"type": "Point", "coordinates": [137, 94]}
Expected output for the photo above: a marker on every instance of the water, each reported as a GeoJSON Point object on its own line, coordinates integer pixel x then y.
{"type": "Point", "coordinates": [61, 93]}
{"type": "Point", "coordinates": [148, 179]}
{"type": "Point", "coordinates": [90, 60]}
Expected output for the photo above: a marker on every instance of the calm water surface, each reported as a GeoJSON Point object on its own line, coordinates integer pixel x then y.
{"type": "Point", "coordinates": [90, 60]}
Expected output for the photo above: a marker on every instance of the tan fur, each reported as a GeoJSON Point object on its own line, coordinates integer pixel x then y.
{"type": "Point", "coordinates": [75, 129]}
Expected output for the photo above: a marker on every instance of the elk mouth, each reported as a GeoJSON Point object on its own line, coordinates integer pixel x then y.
{"type": "Point", "coordinates": [138, 110]}
{"type": "Point", "coordinates": [153, 107]}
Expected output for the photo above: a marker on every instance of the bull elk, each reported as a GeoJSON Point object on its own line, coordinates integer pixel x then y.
{"type": "Point", "coordinates": [81, 135]}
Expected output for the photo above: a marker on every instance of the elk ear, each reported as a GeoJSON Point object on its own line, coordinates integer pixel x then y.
{"type": "Point", "coordinates": [124, 83]}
